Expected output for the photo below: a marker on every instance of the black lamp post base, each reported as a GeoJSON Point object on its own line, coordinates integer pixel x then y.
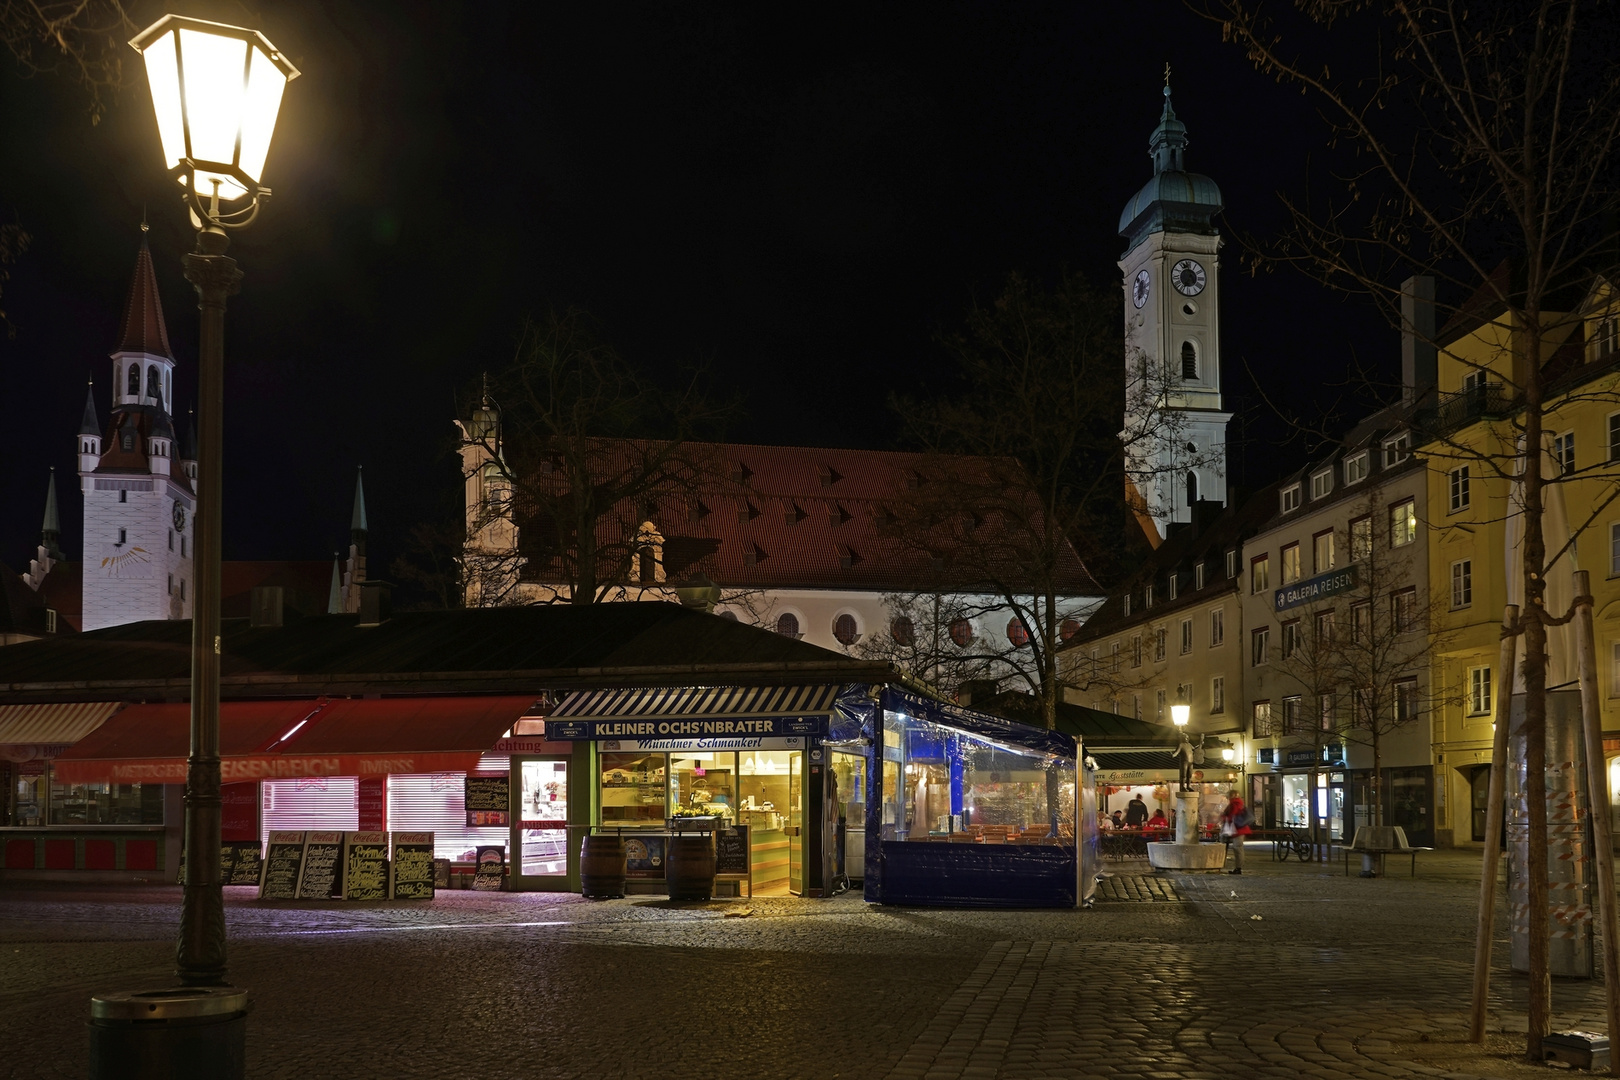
{"type": "Point", "coordinates": [180, 1033]}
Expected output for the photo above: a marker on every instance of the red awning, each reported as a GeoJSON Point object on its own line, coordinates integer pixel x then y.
{"type": "Point", "coordinates": [272, 740]}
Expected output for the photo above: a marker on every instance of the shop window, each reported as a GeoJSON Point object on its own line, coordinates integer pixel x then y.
{"type": "Point", "coordinates": [1217, 627]}
{"type": "Point", "coordinates": [1322, 551]}
{"type": "Point", "coordinates": [329, 803]}
{"type": "Point", "coordinates": [1262, 719]}
{"type": "Point", "coordinates": [1259, 646]}
{"type": "Point", "coordinates": [1186, 636]}
{"type": "Point", "coordinates": [106, 804]}
{"type": "Point", "coordinates": [1479, 691]}
{"type": "Point", "coordinates": [1259, 573]}
{"type": "Point", "coordinates": [29, 795]}
{"type": "Point", "coordinates": [1290, 564]}
{"type": "Point", "coordinates": [961, 633]}
{"type": "Point", "coordinates": [846, 629]}
{"type": "Point", "coordinates": [1402, 523]}
{"type": "Point", "coordinates": [1360, 538]}
{"type": "Point", "coordinates": [633, 788]}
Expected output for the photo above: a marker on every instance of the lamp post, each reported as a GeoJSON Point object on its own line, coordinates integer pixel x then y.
{"type": "Point", "coordinates": [216, 90]}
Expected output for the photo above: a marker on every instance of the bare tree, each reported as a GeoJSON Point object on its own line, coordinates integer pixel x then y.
{"type": "Point", "coordinates": [571, 470]}
{"type": "Point", "coordinates": [1463, 135]}
{"type": "Point", "coordinates": [81, 40]}
{"type": "Point", "coordinates": [1021, 498]}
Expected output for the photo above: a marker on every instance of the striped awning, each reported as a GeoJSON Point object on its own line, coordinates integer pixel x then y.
{"type": "Point", "coordinates": [684, 701]}
{"type": "Point", "coordinates": [61, 723]}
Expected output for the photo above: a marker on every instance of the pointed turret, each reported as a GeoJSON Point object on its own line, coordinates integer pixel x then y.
{"type": "Point", "coordinates": [334, 596]}
{"type": "Point", "coordinates": [50, 532]}
{"type": "Point", "coordinates": [91, 423]}
{"type": "Point", "coordinates": [1174, 200]}
{"type": "Point", "coordinates": [355, 573]}
{"type": "Point", "coordinates": [357, 520]}
{"type": "Point", "coordinates": [144, 328]}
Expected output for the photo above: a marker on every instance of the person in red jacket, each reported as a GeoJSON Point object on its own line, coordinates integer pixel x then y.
{"type": "Point", "coordinates": [1235, 825]}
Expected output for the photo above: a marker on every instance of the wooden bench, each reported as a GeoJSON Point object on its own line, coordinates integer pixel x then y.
{"type": "Point", "coordinates": [1381, 840]}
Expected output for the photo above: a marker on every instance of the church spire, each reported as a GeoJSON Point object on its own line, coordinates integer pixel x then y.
{"type": "Point", "coordinates": [1169, 139]}
{"type": "Point", "coordinates": [334, 595]}
{"type": "Point", "coordinates": [357, 520]}
{"type": "Point", "coordinates": [50, 533]}
{"type": "Point", "coordinates": [90, 424]}
{"type": "Point", "coordinates": [144, 329]}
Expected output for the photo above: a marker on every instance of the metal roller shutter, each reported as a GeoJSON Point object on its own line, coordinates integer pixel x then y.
{"type": "Point", "coordinates": [436, 803]}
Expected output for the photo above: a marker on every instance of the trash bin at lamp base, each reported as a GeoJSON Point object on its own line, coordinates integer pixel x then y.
{"type": "Point", "coordinates": [180, 1033]}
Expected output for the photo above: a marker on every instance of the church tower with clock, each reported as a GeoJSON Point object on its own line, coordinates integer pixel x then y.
{"type": "Point", "coordinates": [136, 477]}
{"type": "Point", "coordinates": [1175, 430]}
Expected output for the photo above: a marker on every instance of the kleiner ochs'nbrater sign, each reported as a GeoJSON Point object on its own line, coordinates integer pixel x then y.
{"type": "Point", "coordinates": [1322, 585]}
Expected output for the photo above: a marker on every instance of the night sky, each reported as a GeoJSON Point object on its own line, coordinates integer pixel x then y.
{"type": "Point", "coordinates": [803, 199]}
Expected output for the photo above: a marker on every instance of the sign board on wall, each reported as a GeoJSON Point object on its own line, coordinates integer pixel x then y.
{"type": "Point", "coordinates": [489, 800]}
{"type": "Point", "coordinates": [1319, 587]}
{"type": "Point", "coordinates": [651, 746]}
{"type": "Point", "coordinates": [718, 727]}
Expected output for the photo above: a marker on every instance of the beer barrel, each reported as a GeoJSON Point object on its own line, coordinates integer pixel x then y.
{"type": "Point", "coordinates": [601, 866]}
{"type": "Point", "coordinates": [689, 866]}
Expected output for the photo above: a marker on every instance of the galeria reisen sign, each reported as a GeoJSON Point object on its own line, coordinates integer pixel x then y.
{"type": "Point", "coordinates": [1331, 583]}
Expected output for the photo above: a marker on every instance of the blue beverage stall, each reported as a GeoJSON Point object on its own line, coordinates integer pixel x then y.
{"type": "Point", "coordinates": [963, 809]}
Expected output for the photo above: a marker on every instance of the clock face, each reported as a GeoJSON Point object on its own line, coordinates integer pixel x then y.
{"type": "Point", "coordinates": [1141, 287]}
{"type": "Point", "coordinates": [179, 516]}
{"type": "Point", "coordinates": [1188, 277]}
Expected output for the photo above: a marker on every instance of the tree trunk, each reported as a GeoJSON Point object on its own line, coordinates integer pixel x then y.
{"type": "Point", "coordinates": [1539, 1019]}
{"type": "Point", "coordinates": [1375, 784]}
{"type": "Point", "coordinates": [1314, 818]}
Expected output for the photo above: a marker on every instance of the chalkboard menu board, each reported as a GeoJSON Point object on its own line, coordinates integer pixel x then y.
{"type": "Point", "coordinates": [490, 873]}
{"type": "Point", "coordinates": [244, 867]}
{"type": "Point", "coordinates": [365, 866]}
{"type": "Point", "coordinates": [489, 800]}
{"type": "Point", "coordinates": [283, 862]}
{"type": "Point", "coordinates": [412, 869]}
{"type": "Point", "coordinates": [731, 850]}
{"type": "Point", "coordinates": [323, 863]}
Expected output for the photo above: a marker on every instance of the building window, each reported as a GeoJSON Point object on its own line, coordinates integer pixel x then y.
{"type": "Point", "coordinates": [1198, 576]}
{"type": "Point", "coordinates": [1360, 538]}
{"type": "Point", "coordinates": [1361, 622]}
{"type": "Point", "coordinates": [787, 624]}
{"type": "Point", "coordinates": [1217, 627]}
{"type": "Point", "coordinates": [961, 633]}
{"type": "Point", "coordinates": [1406, 701]}
{"type": "Point", "coordinates": [1402, 523]}
{"type": "Point", "coordinates": [1292, 638]}
{"type": "Point", "coordinates": [1186, 636]}
{"type": "Point", "coordinates": [1356, 467]}
{"type": "Point", "coordinates": [1322, 551]}
{"type": "Point", "coordinates": [1479, 691]}
{"type": "Point", "coordinates": [1217, 694]}
{"type": "Point", "coordinates": [1614, 670]}
{"type": "Point", "coordinates": [1147, 596]}
{"type": "Point", "coordinates": [1136, 650]}
{"type": "Point", "coordinates": [1260, 573]}
{"type": "Point", "coordinates": [1564, 452]}
{"type": "Point", "coordinates": [1172, 590]}
{"type": "Point", "coordinates": [1189, 361]}
{"type": "Point", "coordinates": [1614, 437]}
{"type": "Point", "coordinates": [1614, 549]}
{"type": "Point", "coordinates": [1158, 705]}
{"type": "Point", "coordinates": [1290, 564]}
{"type": "Point", "coordinates": [1458, 485]}
{"type": "Point", "coordinates": [1289, 498]}
{"type": "Point", "coordinates": [1262, 719]}
{"type": "Point", "coordinates": [1462, 583]}
{"type": "Point", "coordinates": [123, 496]}
{"type": "Point", "coordinates": [171, 584]}
{"type": "Point", "coordinates": [1017, 633]}
{"type": "Point", "coordinates": [1232, 563]}
{"type": "Point", "coordinates": [1604, 338]}
{"type": "Point", "coordinates": [1403, 610]}
{"type": "Point", "coordinates": [50, 620]}
{"type": "Point", "coordinates": [183, 547]}
{"type": "Point", "coordinates": [1114, 653]}
{"type": "Point", "coordinates": [182, 588]}
{"type": "Point", "coordinates": [1259, 645]}
{"type": "Point", "coordinates": [1322, 484]}
{"type": "Point", "coordinates": [1293, 714]}
{"type": "Point", "coordinates": [171, 539]}
{"type": "Point", "coordinates": [1160, 641]}
{"type": "Point", "coordinates": [1324, 628]}
{"type": "Point", "coordinates": [121, 536]}
{"type": "Point", "coordinates": [846, 630]}
{"type": "Point", "coordinates": [1127, 604]}
{"type": "Point", "coordinates": [1397, 450]}
{"type": "Point", "coordinates": [1327, 708]}
{"type": "Point", "coordinates": [904, 633]}
{"type": "Point", "coordinates": [1136, 706]}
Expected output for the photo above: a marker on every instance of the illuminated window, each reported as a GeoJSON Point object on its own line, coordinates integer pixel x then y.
{"type": "Point", "coordinates": [1402, 523]}
{"type": "Point", "coordinates": [1290, 564]}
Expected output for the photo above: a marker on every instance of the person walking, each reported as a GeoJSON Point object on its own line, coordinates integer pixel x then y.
{"type": "Point", "coordinates": [1235, 826]}
{"type": "Point", "coordinates": [1136, 812]}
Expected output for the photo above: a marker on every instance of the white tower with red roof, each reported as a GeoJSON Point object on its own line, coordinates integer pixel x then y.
{"type": "Point", "coordinates": [136, 478]}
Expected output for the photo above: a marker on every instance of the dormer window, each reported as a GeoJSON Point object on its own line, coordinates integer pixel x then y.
{"type": "Point", "coordinates": [1147, 596]}
{"type": "Point", "coordinates": [1397, 449]}
{"type": "Point", "coordinates": [1127, 605]}
{"type": "Point", "coordinates": [1171, 592]}
{"type": "Point", "coordinates": [1322, 484]}
{"type": "Point", "coordinates": [1198, 575]}
{"type": "Point", "coordinates": [1356, 468]}
{"type": "Point", "coordinates": [1290, 498]}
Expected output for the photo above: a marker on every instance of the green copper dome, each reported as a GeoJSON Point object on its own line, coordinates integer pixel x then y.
{"type": "Point", "coordinates": [1174, 200]}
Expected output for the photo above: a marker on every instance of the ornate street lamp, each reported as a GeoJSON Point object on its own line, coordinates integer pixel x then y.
{"type": "Point", "coordinates": [216, 90]}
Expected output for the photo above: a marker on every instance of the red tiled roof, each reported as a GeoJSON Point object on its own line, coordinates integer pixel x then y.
{"type": "Point", "coordinates": [304, 584]}
{"type": "Point", "coordinates": [144, 330]}
{"type": "Point", "coordinates": [803, 517]}
{"type": "Point", "coordinates": [63, 592]}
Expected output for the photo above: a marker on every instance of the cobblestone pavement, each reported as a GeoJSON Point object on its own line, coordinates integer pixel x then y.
{"type": "Point", "coordinates": [1287, 971]}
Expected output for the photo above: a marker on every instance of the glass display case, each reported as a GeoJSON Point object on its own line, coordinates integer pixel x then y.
{"type": "Point", "coordinates": [633, 789]}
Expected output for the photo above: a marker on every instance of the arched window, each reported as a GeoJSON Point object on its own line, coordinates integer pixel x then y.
{"type": "Point", "coordinates": [1189, 361]}
{"type": "Point", "coordinates": [1016, 634]}
{"type": "Point", "coordinates": [1192, 487]}
{"type": "Point", "coordinates": [134, 380]}
{"type": "Point", "coordinates": [902, 630]}
{"type": "Point", "coordinates": [154, 387]}
{"type": "Point", "coordinates": [129, 439]}
{"type": "Point", "coordinates": [846, 630]}
{"type": "Point", "coordinates": [1068, 629]}
{"type": "Point", "coordinates": [962, 633]}
{"type": "Point", "coordinates": [787, 624]}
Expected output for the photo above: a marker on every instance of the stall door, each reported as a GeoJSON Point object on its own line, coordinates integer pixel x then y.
{"type": "Point", "coordinates": [796, 823]}
{"type": "Point", "coordinates": [540, 829]}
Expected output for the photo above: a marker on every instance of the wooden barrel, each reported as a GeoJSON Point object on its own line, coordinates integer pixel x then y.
{"type": "Point", "coordinates": [689, 866]}
{"type": "Point", "coordinates": [601, 866]}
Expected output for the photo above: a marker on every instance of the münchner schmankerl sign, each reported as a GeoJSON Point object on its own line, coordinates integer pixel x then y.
{"type": "Point", "coordinates": [1319, 587]}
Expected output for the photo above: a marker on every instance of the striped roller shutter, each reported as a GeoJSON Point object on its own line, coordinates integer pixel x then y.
{"type": "Point", "coordinates": [685, 701]}
{"type": "Point", "coordinates": [437, 803]}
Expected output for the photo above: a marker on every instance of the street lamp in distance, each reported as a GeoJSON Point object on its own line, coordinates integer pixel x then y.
{"type": "Point", "coordinates": [216, 92]}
